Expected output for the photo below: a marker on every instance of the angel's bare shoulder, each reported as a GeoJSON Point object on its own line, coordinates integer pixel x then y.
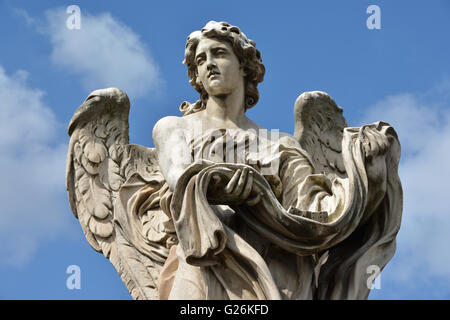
{"type": "Point", "coordinates": [167, 123]}
{"type": "Point", "coordinates": [164, 127]}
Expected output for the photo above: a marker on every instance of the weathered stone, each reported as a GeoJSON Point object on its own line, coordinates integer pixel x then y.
{"type": "Point", "coordinates": [222, 208]}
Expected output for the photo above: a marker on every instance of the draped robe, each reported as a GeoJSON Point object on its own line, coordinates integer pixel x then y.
{"type": "Point", "coordinates": [311, 235]}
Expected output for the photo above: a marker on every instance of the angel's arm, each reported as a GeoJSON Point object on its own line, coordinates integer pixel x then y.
{"type": "Point", "coordinates": [173, 152]}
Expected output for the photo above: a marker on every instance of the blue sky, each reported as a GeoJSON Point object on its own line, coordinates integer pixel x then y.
{"type": "Point", "coordinates": [399, 74]}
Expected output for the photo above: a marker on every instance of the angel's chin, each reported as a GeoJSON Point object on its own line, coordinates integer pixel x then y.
{"type": "Point", "coordinates": [218, 90]}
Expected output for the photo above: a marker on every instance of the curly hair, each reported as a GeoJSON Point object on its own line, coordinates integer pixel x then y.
{"type": "Point", "coordinates": [245, 50]}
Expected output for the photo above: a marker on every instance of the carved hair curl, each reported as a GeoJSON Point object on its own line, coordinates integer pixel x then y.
{"type": "Point", "coordinates": [245, 50]}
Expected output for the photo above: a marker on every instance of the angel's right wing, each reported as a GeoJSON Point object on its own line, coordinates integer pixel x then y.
{"type": "Point", "coordinates": [116, 191]}
{"type": "Point", "coordinates": [319, 127]}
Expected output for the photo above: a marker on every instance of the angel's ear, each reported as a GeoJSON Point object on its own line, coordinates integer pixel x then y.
{"type": "Point", "coordinates": [198, 81]}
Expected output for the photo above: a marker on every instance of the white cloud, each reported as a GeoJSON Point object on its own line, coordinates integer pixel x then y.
{"type": "Point", "coordinates": [422, 122]}
{"type": "Point", "coordinates": [21, 13]}
{"type": "Point", "coordinates": [32, 182]}
{"type": "Point", "coordinates": [33, 200]}
{"type": "Point", "coordinates": [103, 52]}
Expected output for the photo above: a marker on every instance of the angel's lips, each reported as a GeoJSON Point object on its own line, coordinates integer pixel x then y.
{"type": "Point", "coordinates": [213, 73]}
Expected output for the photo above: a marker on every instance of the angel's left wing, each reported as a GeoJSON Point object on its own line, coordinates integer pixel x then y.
{"type": "Point", "coordinates": [115, 191]}
{"type": "Point", "coordinates": [319, 127]}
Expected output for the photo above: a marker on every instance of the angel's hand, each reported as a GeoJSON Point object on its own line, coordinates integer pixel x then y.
{"type": "Point", "coordinates": [374, 142]}
{"type": "Point", "coordinates": [375, 146]}
{"type": "Point", "coordinates": [240, 188]}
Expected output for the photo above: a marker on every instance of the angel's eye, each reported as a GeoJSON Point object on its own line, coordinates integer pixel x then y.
{"type": "Point", "coordinates": [200, 61]}
{"type": "Point", "coordinates": [220, 52]}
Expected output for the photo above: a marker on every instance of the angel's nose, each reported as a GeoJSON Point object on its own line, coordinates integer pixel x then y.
{"type": "Point", "coordinates": [211, 64]}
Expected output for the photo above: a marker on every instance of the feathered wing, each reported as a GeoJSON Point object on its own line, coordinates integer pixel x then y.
{"type": "Point", "coordinates": [342, 271]}
{"type": "Point", "coordinates": [319, 127]}
{"type": "Point", "coordinates": [115, 191]}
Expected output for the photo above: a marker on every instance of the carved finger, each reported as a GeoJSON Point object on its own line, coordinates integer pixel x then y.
{"type": "Point", "coordinates": [248, 186]}
{"type": "Point", "coordinates": [370, 144]}
{"type": "Point", "coordinates": [366, 147]}
{"type": "Point", "coordinates": [241, 183]}
{"type": "Point", "coordinates": [234, 179]}
{"type": "Point", "coordinates": [374, 146]}
{"type": "Point", "coordinates": [383, 142]}
{"type": "Point", "coordinates": [254, 200]}
{"type": "Point", "coordinates": [365, 141]}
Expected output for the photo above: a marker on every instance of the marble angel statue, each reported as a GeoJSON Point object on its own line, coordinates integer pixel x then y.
{"type": "Point", "coordinates": [222, 208]}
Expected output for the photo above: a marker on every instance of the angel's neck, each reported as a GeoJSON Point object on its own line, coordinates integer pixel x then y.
{"type": "Point", "coordinates": [227, 108]}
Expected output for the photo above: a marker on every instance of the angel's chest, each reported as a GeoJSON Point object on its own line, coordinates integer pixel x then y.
{"type": "Point", "coordinates": [230, 146]}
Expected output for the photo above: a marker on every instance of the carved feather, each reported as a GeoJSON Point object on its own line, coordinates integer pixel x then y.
{"type": "Point", "coordinates": [96, 198]}
{"type": "Point", "coordinates": [134, 270]}
{"type": "Point", "coordinates": [319, 125]}
{"type": "Point", "coordinates": [99, 161]}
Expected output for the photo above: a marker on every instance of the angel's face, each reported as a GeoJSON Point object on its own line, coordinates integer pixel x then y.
{"type": "Point", "coordinates": [218, 67]}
